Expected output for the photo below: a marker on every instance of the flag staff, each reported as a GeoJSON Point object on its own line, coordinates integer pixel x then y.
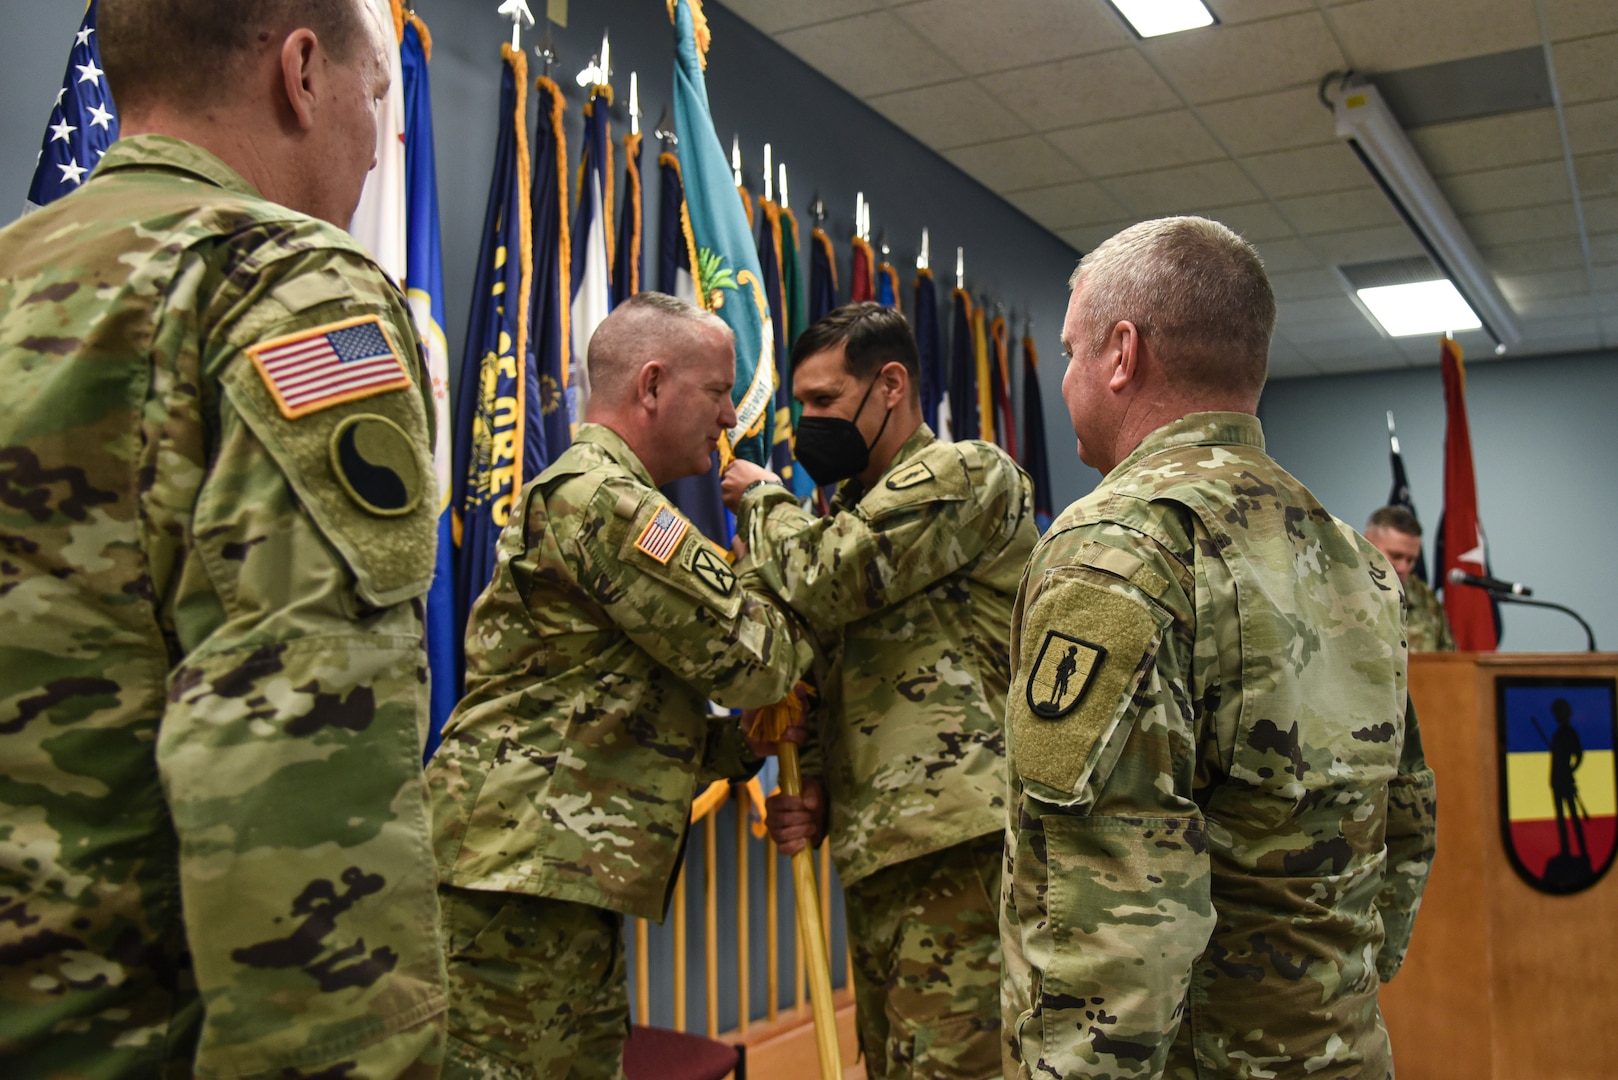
{"type": "Point", "coordinates": [769, 178]}
{"type": "Point", "coordinates": [960, 268]}
{"type": "Point", "coordinates": [634, 103]}
{"type": "Point", "coordinates": [736, 158]}
{"type": "Point", "coordinates": [517, 11]}
{"type": "Point", "coordinates": [783, 185]}
{"type": "Point", "coordinates": [923, 261]}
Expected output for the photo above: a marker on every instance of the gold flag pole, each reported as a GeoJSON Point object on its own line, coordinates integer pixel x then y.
{"type": "Point", "coordinates": [769, 725]}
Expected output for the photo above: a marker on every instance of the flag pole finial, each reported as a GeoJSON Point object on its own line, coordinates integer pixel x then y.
{"type": "Point", "coordinates": [736, 158]}
{"type": "Point", "coordinates": [665, 128]}
{"type": "Point", "coordinates": [769, 176]}
{"type": "Point", "coordinates": [519, 14]}
{"type": "Point", "coordinates": [783, 185]}
{"type": "Point", "coordinates": [960, 268]}
{"type": "Point", "coordinates": [924, 259]}
{"type": "Point", "coordinates": [634, 103]}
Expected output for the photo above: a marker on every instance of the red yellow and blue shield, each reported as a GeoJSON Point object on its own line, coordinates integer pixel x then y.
{"type": "Point", "coordinates": [1558, 779]}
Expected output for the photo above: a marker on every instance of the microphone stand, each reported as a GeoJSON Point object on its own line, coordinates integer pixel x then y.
{"type": "Point", "coordinates": [1510, 598]}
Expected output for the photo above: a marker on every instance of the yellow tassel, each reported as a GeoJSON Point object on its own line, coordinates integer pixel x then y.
{"type": "Point", "coordinates": [564, 247]}
{"type": "Point", "coordinates": [699, 28]}
{"type": "Point", "coordinates": [398, 19]}
{"type": "Point", "coordinates": [519, 68]}
{"type": "Point", "coordinates": [710, 800]}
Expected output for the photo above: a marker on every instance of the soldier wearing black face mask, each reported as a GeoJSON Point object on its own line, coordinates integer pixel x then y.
{"type": "Point", "coordinates": [909, 584]}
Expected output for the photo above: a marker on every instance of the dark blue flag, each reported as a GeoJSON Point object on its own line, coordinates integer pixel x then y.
{"type": "Point", "coordinates": [84, 121]}
{"type": "Point", "coordinates": [1400, 495]}
{"type": "Point", "coordinates": [771, 262]}
{"type": "Point", "coordinates": [1035, 458]}
{"type": "Point", "coordinates": [822, 276]}
{"type": "Point", "coordinates": [964, 412]}
{"type": "Point", "coordinates": [548, 314]}
{"type": "Point", "coordinates": [629, 263]}
{"type": "Point", "coordinates": [887, 285]}
{"type": "Point", "coordinates": [924, 318]}
{"type": "Point", "coordinates": [497, 416]}
{"type": "Point", "coordinates": [591, 241]}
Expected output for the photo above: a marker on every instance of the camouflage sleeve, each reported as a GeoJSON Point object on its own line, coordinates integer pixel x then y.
{"type": "Point", "coordinates": [1109, 899]}
{"type": "Point", "coordinates": [1412, 840]}
{"type": "Point", "coordinates": [290, 748]}
{"type": "Point", "coordinates": [675, 595]}
{"type": "Point", "coordinates": [923, 522]}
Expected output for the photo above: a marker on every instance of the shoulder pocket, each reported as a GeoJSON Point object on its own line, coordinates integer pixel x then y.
{"type": "Point", "coordinates": [362, 470]}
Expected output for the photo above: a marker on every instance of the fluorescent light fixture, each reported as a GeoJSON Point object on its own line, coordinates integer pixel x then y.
{"type": "Point", "coordinates": [1154, 18]}
{"type": "Point", "coordinates": [1425, 307]}
{"type": "Point", "coordinates": [1372, 132]}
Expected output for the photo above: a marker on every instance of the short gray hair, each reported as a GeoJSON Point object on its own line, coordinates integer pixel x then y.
{"type": "Point", "coordinates": [648, 326]}
{"type": "Point", "coordinates": [1197, 293]}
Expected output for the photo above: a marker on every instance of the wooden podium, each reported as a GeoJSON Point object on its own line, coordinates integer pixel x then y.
{"type": "Point", "coordinates": [1503, 982]}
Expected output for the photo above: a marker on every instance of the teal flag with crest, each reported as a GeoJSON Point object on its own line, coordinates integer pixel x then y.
{"type": "Point", "coordinates": [729, 281]}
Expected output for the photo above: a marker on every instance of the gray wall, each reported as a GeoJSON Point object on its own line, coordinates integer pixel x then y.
{"type": "Point", "coordinates": [1544, 444]}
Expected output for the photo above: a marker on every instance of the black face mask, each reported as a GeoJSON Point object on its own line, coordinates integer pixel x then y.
{"type": "Point", "coordinates": [832, 449]}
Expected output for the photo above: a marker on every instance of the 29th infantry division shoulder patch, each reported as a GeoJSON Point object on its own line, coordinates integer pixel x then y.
{"type": "Point", "coordinates": [1062, 673]}
{"type": "Point", "coordinates": [328, 365]}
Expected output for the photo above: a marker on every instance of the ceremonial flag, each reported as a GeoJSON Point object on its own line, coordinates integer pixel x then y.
{"type": "Point", "coordinates": [962, 402]}
{"type": "Point", "coordinates": [822, 276]}
{"type": "Point", "coordinates": [861, 272]}
{"type": "Point", "coordinates": [928, 346]}
{"type": "Point", "coordinates": [550, 313]}
{"type": "Point", "coordinates": [629, 262]}
{"type": "Point", "coordinates": [728, 281]}
{"type": "Point", "coordinates": [1034, 460]}
{"type": "Point", "coordinates": [1400, 496]}
{"type": "Point", "coordinates": [1000, 378]}
{"type": "Point", "coordinates": [497, 424]}
{"type": "Point", "coordinates": [1470, 611]}
{"type": "Point", "coordinates": [980, 370]}
{"type": "Point", "coordinates": [424, 289]}
{"type": "Point", "coordinates": [83, 121]}
{"type": "Point", "coordinates": [698, 497]}
{"type": "Point", "coordinates": [379, 220]}
{"type": "Point", "coordinates": [797, 322]}
{"type": "Point", "coordinates": [887, 286]}
{"type": "Point", "coordinates": [771, 249]}
{"type": "Point", "coordinates": [592, 247]}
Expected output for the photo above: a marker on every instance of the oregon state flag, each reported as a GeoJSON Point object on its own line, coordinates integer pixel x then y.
{"type": "Point", "coordinates": [727, 270]}
{"type": "Point", "coordinates": [1558, 784]}
{"type": "Point", "coordinates": [496, 421]}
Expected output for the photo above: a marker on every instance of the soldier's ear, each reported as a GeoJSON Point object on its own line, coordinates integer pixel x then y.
{"type": "Point", "coordinates": [298, 75]}
{"type": "Point", "coordinates": [649, 383]}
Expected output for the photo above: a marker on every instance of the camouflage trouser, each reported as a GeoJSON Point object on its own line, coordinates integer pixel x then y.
{"type": "Point", "coordinates": [926, 941]}
{"type": "Point", "coordinates": [537, 988]}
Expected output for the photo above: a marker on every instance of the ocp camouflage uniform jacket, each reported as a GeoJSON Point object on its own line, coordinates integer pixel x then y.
{"type": "Point", "coordinates": [909, 587]}
{"type": "Point", "coordinates": [214, 853]}
{"type": "Point", "coordinates": [1221, 820]}
{"type": "Point", "coordinates": [1427, 628]}
{"type": "Point", "coordinates": [569, 768]}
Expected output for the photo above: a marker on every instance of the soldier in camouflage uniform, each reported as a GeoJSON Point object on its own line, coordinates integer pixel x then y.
{"type": "Point", "coordinates": [1220, 819]}
{"type": "Point", "coordinates": [214, 851]}
{"type": "Point", "coordinates": [1395, 532]}
{"type": "Point", "coordinates": [908, 584]}
{"type": "Point", "coordinates": [563, 788]}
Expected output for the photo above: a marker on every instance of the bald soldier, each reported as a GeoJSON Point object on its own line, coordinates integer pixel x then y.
{"type": "Point", "coordinates": [1395, 532]}
{"type": "Point", "coordinates": [214, 855]}
{"type": "Point", "coordinates": [563, 788]}
{"type": "Point", "coordinates": [1221, 820]}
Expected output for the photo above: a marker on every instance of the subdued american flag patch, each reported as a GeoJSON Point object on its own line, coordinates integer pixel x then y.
{"type": "Point", "coordinates": [663, 534]}
{"type": "Point", "coordinates": [328, 365]}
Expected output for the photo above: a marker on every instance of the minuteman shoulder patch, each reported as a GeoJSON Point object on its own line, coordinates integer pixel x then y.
{"type": "Point", "coordinates": [909, 476]}
{"type": "Point", "coordinates": [711, 567]}
{"type": "Point", "coordinates": [1061, 675]}
{"type": "Point", "coordinates": [328, 365]}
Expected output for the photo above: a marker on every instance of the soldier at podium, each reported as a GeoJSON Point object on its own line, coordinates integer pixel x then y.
{"type": "Point", "coordinates": [1395, 532]}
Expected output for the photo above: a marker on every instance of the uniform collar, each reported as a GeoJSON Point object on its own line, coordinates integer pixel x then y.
{"type": "Point", "coordinates": [1197, 429]}
{"type": "Point", "coordinates": [613, 445]}
{"type": "Point", "coordinates": [167, 152]}
{"type": "Point", "coordinates": [850, 492]}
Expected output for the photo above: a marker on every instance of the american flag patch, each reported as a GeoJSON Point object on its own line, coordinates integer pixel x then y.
{"type": "Point", "coordinates": [662, 535]}
{"type": "Point", "coordinates": [316, 369]}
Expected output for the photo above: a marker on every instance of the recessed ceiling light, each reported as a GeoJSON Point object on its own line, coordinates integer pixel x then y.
{"type": "Point", "coordinates": [1424, 307]}
{"type": "Point", "coordinates": [1154, 18]}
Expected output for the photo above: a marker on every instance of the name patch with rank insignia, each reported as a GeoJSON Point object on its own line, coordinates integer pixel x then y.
{"type": "Point", "coordinates": [711, 568]}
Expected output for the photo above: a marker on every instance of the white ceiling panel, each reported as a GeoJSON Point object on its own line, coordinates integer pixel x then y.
{"type": "Point", "coordinates": [1489, 142]}
{"type": "Point", "coordinates": [1531, 256]}
{"type": "Point", "coordinates": [1248, 58]}
{"type": "Point", "coordinates": [1501, 189]}
{"type": "Point", "coordinates": [1162, 140]}
{"type": "Point", "coordinates": [1069, 205]}
{"type": "Point", "coordinates": [1386, 35]}
{"type": "Point", "coordinates": [1579, 18]}
{"type": "Point", "coordinates": [1280, 121]}
{"type": "Point", "coordinates": [1083, 90]}
{"type": "Point", "coordinates": [1586, 69]}
{"type": "Point", "coordinates": [1240, 11]}
{"type": "Point", "coordinates": [1089, 237]}
{"type": "Point", "coordinates": [1313, 170]}
{"type": "Point", "coordinates": [773, 16]}
{"type": "Point", "coordinates": [1593, 126]}
{"type": "Point", "coordinates": [1169, 191]}
{"type": "Point", "coordinates": [1365, 245]}
{"type": "Point", "coordinates": [1526, 223]}
{"type": "Point", "coordinates": [1283, 256]}
{"type": "Point", "coordinates": [981, 38]}
{"type": "Point", "coordinates": [1257, 221]}
{"type": "Point", "coordinates": [1364, 207]}
{"type": "Point", "coordinates": [1601, 215]}
{"type": "Point", "coordinates": [1305, 285]}
{"type": "Point", "coordinates": [1016, 164]}
{"type": "Point", "coordinates": [870, 54]}
{"type": "Point", "coordinates": [1597, 174]}
{"type": "Point", "coordinates": [955, 114]}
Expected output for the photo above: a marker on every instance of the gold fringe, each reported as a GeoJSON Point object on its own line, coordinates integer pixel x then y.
{"type": "Point", "coordinates": [818, 236]}
{"type": "Point", "coordinates": [980, 350]}
{"type": "Point", "coordinates": [923, 272]}
{"type": "Point", "coordinates": [422, 32]}
{"type": "Point", "coordinates": [862, 250]}
{"type": "Point", "coordinates": [666, 158]}
{"type": "Point", "coordinates": [710, 800]}
{"type": "Point", "coordinates": [747, 206]}
{"type": "Point", "coordinates": [1030, 352]}
{"type": "Point", "coordinates": [398, 19]}
{"type": "Point", "coordinates": [519, 69]}
{"type": "Point", "coordinates": [772, 214]}
{"type": "Point", "coordinates": [997, 334]}
{"type": "Point", "coordinates": [699, 29]}
{"type": "Point", "coordinates": [564, 245]}
{"type": "Point", "coordinates": [632, 192]}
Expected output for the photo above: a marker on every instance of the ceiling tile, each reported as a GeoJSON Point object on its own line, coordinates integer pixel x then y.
{"type": "Point", "coordinates": [1136, 145]}
{"type": "Point", "coordinates": [1579, 18]}
{"type": "Point", "coordinates": [1597, 174]}
{"type": "Point", "coordinates": [1338, 311]}
{"type": "Point", "coordinates": [1255, 222]}
{"type": "Point", "coordinates": [1531, 256]}
{"type": "Point", "coordinates": [1364, 207]}
{"type": "Point", "coordinates": [1068, 205]}
{"type": "Point", "coordinates": [1350, 358]}
{"type": "Point", "coordinates": [1366, 245]}
{"type": "Point", "coordinates": [1593, 126]}
{"type": "Point", "coordinates": [1489, 142]}
{"type": "Point", "coordinates": [1525, 290]}
{"type": "Point", "coordinates": [959, 113]}
{"type": "Point", "coordinates": [1514, 226]}
{"type": "Point", "coordinates": [869, 54]}
{"type": "Point", "coordinates": [1309, 171]}
{"type": "Point", "coordinates": [1305, 285]}
{"type": "Point", "coordinates": [1601, 214]}
{"type": "Point", "coordinates": [1226, 61]}
{"type": "Point", "coordinates": [1089, 237]}
{"type": "Point", "coordinates": [1283, 366]}
{"type": "Point", "coordinates": [1574, 304]}
{"type": "Point", "coordinates": [1015, 164]}
{"type": "Point", "coordinates": [1387, 35]}
{"type": "Point", "coordinates": [1085, 90]}
{"type": "Point", "coordinates": [1008, 34]}
{"type": "Point", "coordinates": [1585, 70]}
{"type": "Point", "coordinates": [1604, 249]}
{"type": "Point", "coordinates": [1504, 189]}
{"type": "Point", "coordinates": [1279, 121]}
{"type": "Point", "coordinates": [773, 16]}
{"type": "Point", "coordinates": [1284, 256]}
{"type": "Point", "coordinates": [1176, 191]}
{"type": "Point", "coordinates": [1231, 12]}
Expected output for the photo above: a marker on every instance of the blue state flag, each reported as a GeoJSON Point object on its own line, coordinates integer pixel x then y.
{"type": "Point", "coordinates": [1035, 458]}
{"type": "Point", "coordinates": [84, 121]}
{"type": "Point", "coordinates": [887, 285]}
{"type": "Point", "coordinates": [728, 276]}
{"type": "Point", "coordinates": [497, 415]}
{"type": "Point", "coordinates": [424, 288]}
{"type": "Point", "coordinates": [550, 312]}
{"type": "Point", "coordinates": [629, 262]}
{"type": "Point", "coordinates": [924, 318]}
{"type": "Point", "coordinates": [822, 276]}
{"type": "Point", "coordinates": [960, 412]}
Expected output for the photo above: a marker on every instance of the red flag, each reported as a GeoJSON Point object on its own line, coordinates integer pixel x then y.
{"type": "Point", "coordinates": [1471, 615]}
{"type": "Point", "coordinates": [862, 273]}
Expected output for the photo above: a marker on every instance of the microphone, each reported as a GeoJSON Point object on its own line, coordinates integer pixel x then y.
{"type": "Point", "coordinates": [1457, 576]}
